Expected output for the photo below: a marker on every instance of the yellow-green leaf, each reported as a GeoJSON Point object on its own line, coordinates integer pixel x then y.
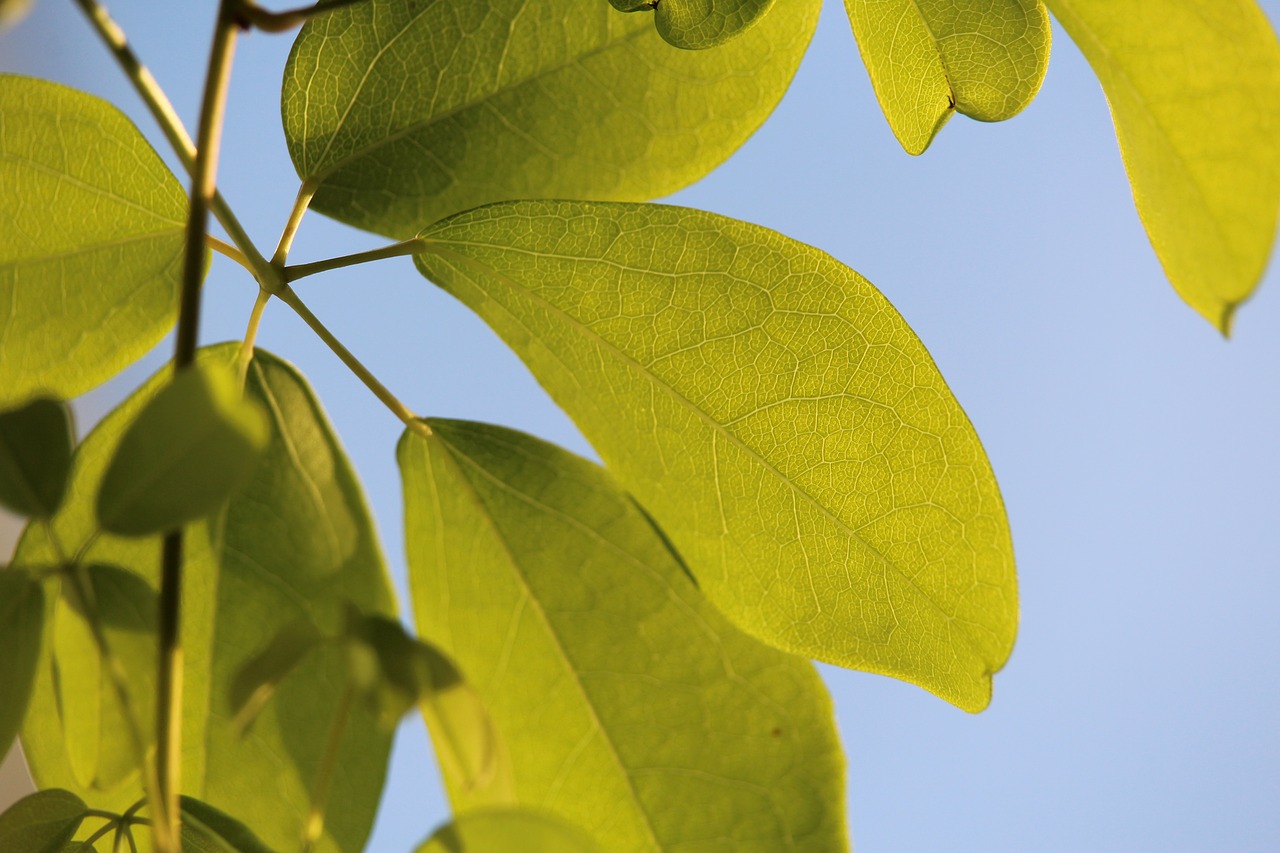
{"type": "Point", "coordinates": [41, 822]}
{"type": "Point", "coordinates": [21, 632]}
{"type": "Point", "coordinates": [773, 412]}
{"type": "Point", "coordinates": [698, 24]}
{"type": "Point", "coordinates": [1194, 89]}
{"type": "Point", "coordinates": [91, 241]}
{"type": "Point", "coordinates": [399, 114]}
{"type": "Point", "coordinates": [624, 702]}
{"type": "Point", "coordinates": [35, 456]}
{"type": "Point", "coordinates": [508, 831]}
{"type": "Point", "coordinates": [929, 58]}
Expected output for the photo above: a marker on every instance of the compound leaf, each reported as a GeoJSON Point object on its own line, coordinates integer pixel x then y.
{"type": "Point", "coordinates": [35, 456]}
{"type": "Point", "coordinates": [624, 702]}
{"type": "Point", "coordinates": [929, 58]}
{"type": "Point", "coordinates": [698, 24]}
{"type": "Point", "coordinates": [41, 822]}
{"type": "Point", "coordinates": [775, 415]}
{"type": "Point", "coordinates": [91, 241]}
{"type": "Point", "coordinates": [1194, 90]}
{"type": "Point", "coordinates": [21, 633]}
{"type": "Point", "coordinates": [399, 114]}
{"type": "Point", "coordinates": [497, 830]}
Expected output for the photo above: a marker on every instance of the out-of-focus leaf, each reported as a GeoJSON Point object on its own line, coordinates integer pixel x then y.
{"type": "Point", "coordinates": [508, 831]}
{"type": "Point", "coordinates": [209, 830]}
{"type": "Point", "coordinates": [258, 679]}
{"type": "Point", "coordinates": [187, 452]}
{"type": "Point", "coordinates": [1194, 89]}
{"type": "Point", "coordinates": [626, 704]}
{"type": "Point", "coordinates": [91, 241]}
{"type": "Point", "coordinates": [399, 114]}
{"type": "Point", "coordinates": [41, 822]}
{"type": "Point", "coordinates": [929, 58]}
{"type": "Point", "coordinates": [698, 24]}
{"type": "Point", "coordinates": [35, 456]}
{"type": "Point", "coordinates": [21, 633]}
{"type": "Point", "coordinates": [776, 416]}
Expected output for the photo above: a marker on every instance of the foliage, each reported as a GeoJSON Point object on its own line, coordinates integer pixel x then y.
{"type": "Point", "coordinates": [609, 657]}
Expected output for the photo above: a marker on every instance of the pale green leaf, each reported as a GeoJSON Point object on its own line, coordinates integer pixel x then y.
{"type": "Point", "coordinates": [776, 416]}
{"type": "Point", "coordinates": [698, 24]}
{"type": "Point", "coordinates": [928, 58]}
{"type": "Point", "coordinates": [41, 822]}
{"type": "Point", "coordinates": [1194, 89]}
{"type": "Point", "coordinates": [209, 830]}
{"type": "Point", "coordinates": [295, 542]}
{"type": "Point", "coordinates": [625, 703]}
{"type": "Point", "coordinates": [21, 632]}
{"type": "Point", "coordinates": [188, 451]}
{"type": "Point", "coordinates": [508, 831]}
{"type": "Point", "coordinates": [402, 113]}
{"type": "Point", "coordinates": [35, 456]}
{"type": "Point", "coordinates": [91, 238]}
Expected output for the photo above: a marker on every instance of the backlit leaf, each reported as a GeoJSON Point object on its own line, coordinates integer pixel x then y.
{"type": "Point", "coordinates": [257, 680]}
{"type": "Point", "coordinates": [498, 830]}
{"type": "Point", "coordinates": [35, 456]}
{"type": "Point", "coordinates": [209, 830]}
{"type": "Point", "coordinates": [1194, 89]}
{"type": "Point", "coordinates": [247, 574]}
{"type": "Point", "coordinates": [41, 822]}
{"type": "Point", "coordinates": [21, 632]}
{"type": "Point", "coordinates": [91, 237]}
{"type": "Point", "coordinates": [403, 113]}
{"type": "Point", "coordinates": [927, 58]}
{"type": "Point", "coordinates": [625, 703]}
{"type": "Point", "coordinates": [698, 24]}
{"type": "Point", "coordinates": [773, 412]}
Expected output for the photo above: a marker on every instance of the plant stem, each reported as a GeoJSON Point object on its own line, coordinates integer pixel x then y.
{"type": "Point", "coordinates": [226, 249]}
{"type": "Point", "coordinates": [288, 297]}
{"type": "Point", "coordinates": [251, 334]}
{"type": "Point", "coordinates": [314, 825]}
{"type": "Point", "coordinates": [300, 204]}
{"type": "Point", "coordinates": [279, 22]}
{"type": "Point", "coordinates": [407, 247]}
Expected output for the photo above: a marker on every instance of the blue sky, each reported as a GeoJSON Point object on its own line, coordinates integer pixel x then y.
{"type": "Point", "coordinates": [1136, 449]}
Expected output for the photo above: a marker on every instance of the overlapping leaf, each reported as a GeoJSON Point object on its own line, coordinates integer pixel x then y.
{"type": "Point", "coordinates": [402, 113]}
{"type": "Point", "coordinates": [776, 416]}
{"type": "Point", "coordinates": [295, 542]}
{"type": "Point", "coordinates": [699, 24]}
{"type": "Point", "coordinates": [494, 830]}
{"type": "Point", "coordinates": [625, 702]}
{"type": "Point", "coordinates": [35, 456]}
{"type": "Point", "coordinates": [91, 228]}
{"type": "Point", "coordinates": [21, 632]}
{"type": "Point", "coordinates": [41, 822]}
{"type": "Point", "coordinates": [929, 58]}
{"type": "Point", "coordinates": [1194, 89]}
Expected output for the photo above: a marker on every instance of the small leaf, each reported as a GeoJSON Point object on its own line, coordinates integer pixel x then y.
{"type": "Point", "coordinates": [508, 831]}
{"type": "Point", "coordinates": [21, 633]}
{"type": "Point", "coordinates": [570, 100]}
{"type": "Point", "coordinates": [35, 457]}
{"type": "Point", "coordinates": [257, 680]}
{"type": "Point", "coordinates": [188, 451]}
{"type": "Point", "coordinates": [91, 241]}
{"type": "Point", "coordinates": [623, 701]}
{"type": "Point", "coordinates": [205, 829]}
{"type": "Point", "coordinates": [1194, 90]}
{"type": "Point", "coordinates": [927, 58]}
{"type": "Point", "coordinates": [698, 24]}
{"type": "Point", "coordinates": [42, 822]}
{"type": "Point", "coordinates": [774, 413]}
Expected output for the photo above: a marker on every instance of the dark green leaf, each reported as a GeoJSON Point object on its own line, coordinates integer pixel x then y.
{"type": "Point", "coordinates": [42, 822]}
{"type": "Point", "coordinates": [698, 24]}
{"type": "Point", "coordinates": [35, 456]}
{"type": "Point", "coordinates": [21, 633]}
{"type": "Point", "coordinates": [208, 830]}
{"type": "Point", "coordinates": [188, 451]}
{"type": "Point", "coordinates": [509, 831]}
{"type": "Point", "coordinates": [258, 679]}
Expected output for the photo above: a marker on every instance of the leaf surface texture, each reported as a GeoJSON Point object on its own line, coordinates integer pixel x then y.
{"type": "Point", "coordinates": [699, 24]}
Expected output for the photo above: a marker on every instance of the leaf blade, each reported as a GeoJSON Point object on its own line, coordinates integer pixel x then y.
{"type": "Point", "coordinates": [508, 829]}
{"type": "Point", "coordinates": [21, 635]}
{"type": "Point", "coordinates": [41, 822]}
{"type": "Point", "coordinates": [36, 441]}
{"type": "Point", "coordinates": [699, 24]}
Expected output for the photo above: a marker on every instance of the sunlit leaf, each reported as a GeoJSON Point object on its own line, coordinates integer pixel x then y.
{"type": "Point", "coordinates": [209, 830]}
{"type": "Point", "coordinates": [21, 632]}
{"type": "Point", "coordinates": [776, 416]}
{"type": "Point", "coordinates": [91, 241]}
{"type": "Point", "coordinates": [698, 24]}
{"type": "Point", "coordinates": [928, 58]}
{"type": "Point", "coordinates": [499, 830]}
{"type": "Point", "coordinates": [247, 575]}
{"type": "Point", "coordinates": [41, 822]}
{"type": "Point", "coordinates": [35, 456]}
{"type": "Point", "coordinates": [258, 678]}
{"type": "Point", "coordinates": [188, 451]}
{"type": "Point", "coordinates": [625, 702]}
{"type": "Point", "coordinates": [1194, 89]}
{"type": "Point", "coordinates": [403, 113]}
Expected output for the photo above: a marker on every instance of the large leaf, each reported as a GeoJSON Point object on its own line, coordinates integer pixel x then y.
{"type": "Point", "coordinates": [402, 113]}
{"type": "Point", "coordinates": [35, 456]}
{"type": "Point", "coordinates": [21, 630]}
{"type": "Point", "coordinates": [929, 58]}
{"type": "Point", "coordinates": [296, 542]}
{"type": "Point", "coordinates": [698, 24]}
{"type": "Point", "coordinates": [498, 830]}
{"type": "Point", "coordinates": [209, 830]}
{"type": "Point", "coordinates": [773, 412]}
{"type": "Point", "coordinates": [1194, 89]}
{"type": "Point", "coordinates": [625, 702]}
{"type": "Point", "coordinates": [91, 241]}
{"type": "Point", "coordinates": [41, 822]}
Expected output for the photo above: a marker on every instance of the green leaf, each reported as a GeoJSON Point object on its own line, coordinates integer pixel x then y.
{"type": "Point", "coordinates": [247, 574]}
{"type": "Point", "coordinates": [41, 822]}
{"type": "Point", "coordinates": [698, 24]}
{"type": "Point", "coordinates": [1194, 90]}
{"type": "Point", "coordinates": [209, 830]}
{"type": "Point", "coordinates": [773, 412]}
{"type": "Point", "coordinates": [91, 241]}
{"type": "Point", "coordinates": [402, 113]}
{"type": "Point", "coordinates": [99, 746]}
{"type": "Point", "coordinates": [625, 702]}
{"type": "Point", "coordinates": [506, 831]}
{"type": "Point", "coordinates": [928, 58]}
{"type": "Point", "coordinates": [404, 669]}
{"type": "Point", "coordinates": [260, 676]}
{"type": "Point", "coordinates": [35, 456]}
{"type": "Point", "coordinates": [188, 451]}
{"type": "Point", "coordinates": [21, 632]}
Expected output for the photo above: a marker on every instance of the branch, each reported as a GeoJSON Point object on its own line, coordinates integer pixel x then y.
{"type": "Point", "coordinates": [413, 246]}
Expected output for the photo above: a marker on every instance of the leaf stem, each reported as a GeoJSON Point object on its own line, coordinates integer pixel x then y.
{"type": "Point", "coordinates": [290, 298]}
{"type": "Point", "coordinates": [280, 22]}
{"type": "Point", "coordinates": [251, 334]}
{"type": "Point", "coordinates": [224, 248]}
{"type": "Point", "coordinates": [407, 247]}
{"type": "Point", "coordinates": [300, 205]}
{"type": "Point", "coordinates": [314, 826]}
